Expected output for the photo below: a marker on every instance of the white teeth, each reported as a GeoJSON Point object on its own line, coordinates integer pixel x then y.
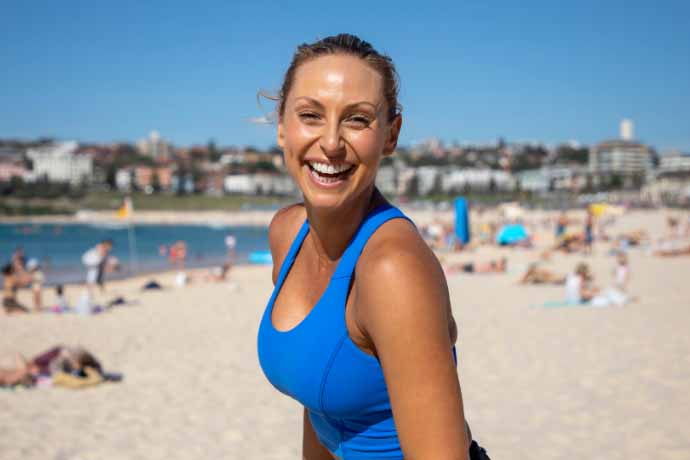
{"type": "Point", "coordinates": [329, 168]}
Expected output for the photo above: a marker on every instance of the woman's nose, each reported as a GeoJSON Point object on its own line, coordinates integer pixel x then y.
{"type": "Point", "coordinates": [331, 141]}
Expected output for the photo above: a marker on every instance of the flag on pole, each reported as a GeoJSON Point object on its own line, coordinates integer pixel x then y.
{"type": "Point", "coordinates": [126, 210]}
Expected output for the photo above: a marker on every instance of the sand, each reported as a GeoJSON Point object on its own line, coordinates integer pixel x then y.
{"type": "Point", "coordinates": [538, 383]}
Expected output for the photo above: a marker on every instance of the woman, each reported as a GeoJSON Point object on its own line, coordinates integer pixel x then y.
{"type": "Point", "coordinates": [10, 286]}
{"type": "Point", "coordinates": [359, 328]}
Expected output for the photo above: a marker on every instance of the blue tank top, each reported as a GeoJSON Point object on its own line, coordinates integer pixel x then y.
{"type": "Point", "coordinates": [318, 364]}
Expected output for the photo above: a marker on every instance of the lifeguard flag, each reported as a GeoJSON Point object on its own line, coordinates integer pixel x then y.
{"type": "Point", "coordinates": [126, 210]}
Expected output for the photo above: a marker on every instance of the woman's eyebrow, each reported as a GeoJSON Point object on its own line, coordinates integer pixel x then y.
{"type": "Point", "coordinates": [348, 106]}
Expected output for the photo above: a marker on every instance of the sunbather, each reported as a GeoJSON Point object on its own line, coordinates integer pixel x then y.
{"type": "Point", "coordinates": [71, 367]}
{"type": "Point", "coordinates": [538, 275]}
{"type": "Point", "coordinates": [493, 266]}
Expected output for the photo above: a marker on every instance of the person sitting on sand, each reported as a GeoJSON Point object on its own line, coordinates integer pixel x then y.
{"type": "Point", "coordinates": [578, 285]}
{"type": "Point", "coordinates": [10, 286]}
{"type": "Point", "coordinates": [61, 303]}
{"type": "Point", "coordinates": [538, 275]}
{"type": "Point", "coordinates": [493, 266]}
{"type": "Point", "coordinates": [70, 367]}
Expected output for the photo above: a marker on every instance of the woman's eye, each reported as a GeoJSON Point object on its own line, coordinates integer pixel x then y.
{"type": "Point", "coordinates": [359, 121]}
{"type": "Point", "coordinates": [309, 116]}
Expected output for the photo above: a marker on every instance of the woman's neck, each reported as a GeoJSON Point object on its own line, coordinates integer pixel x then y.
{"type": "Point", "coordinates": [331, 231]}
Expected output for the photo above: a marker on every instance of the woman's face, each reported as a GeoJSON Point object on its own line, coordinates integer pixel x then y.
{"type": "Point", "coordinates": [334, 130]}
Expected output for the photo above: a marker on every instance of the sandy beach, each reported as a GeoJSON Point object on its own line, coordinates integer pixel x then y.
{"type": "Point", "coordinates": [557, 383]}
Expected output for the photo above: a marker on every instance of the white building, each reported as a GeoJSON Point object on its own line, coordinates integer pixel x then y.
{"type": "Point", "coordinates": [674, 163]}
{"type": "Point", "coordinates": [259, 184]}
{"type": "Point", "coordinates": [458, 180]}
{"type": "Point", "coordinates": [549, 178]}
{"type": "Point", "coordinates": [123, 179]}
{"type": "Point", "coordinates": [386, 180]}
{"type": "Point", "coordinates": [629, 160]}
{"type": "Point", "coordinates": [59, 163]}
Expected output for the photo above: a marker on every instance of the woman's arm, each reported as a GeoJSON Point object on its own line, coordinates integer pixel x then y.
{"type": "Point", "coordinates": [403, 306]}
{"type": "Point", "coordinates": [312, 449]}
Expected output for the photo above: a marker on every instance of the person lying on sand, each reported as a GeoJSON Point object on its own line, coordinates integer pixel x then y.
{"type": "Point", "coordinates": [538, 275]}
{"type": "Point", "coordinates": [673, 252]}
{"type": "Point", "coordinates": [493, 266]}
{"type": "Point", "coordinates": [69, 367]}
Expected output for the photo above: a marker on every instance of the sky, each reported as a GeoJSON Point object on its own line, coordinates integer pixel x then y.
{"type": "Point", "coordinates": [471, 71]}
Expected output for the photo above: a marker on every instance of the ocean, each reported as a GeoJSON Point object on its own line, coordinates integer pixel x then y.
{"type": "Point", "coordinates": [59, 247]}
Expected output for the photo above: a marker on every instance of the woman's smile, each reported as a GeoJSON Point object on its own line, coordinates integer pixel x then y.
{"type": "Point", "coordinates": [329, 175]}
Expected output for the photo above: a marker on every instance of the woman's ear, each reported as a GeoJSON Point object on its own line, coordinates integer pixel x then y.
{"type": "Point", "coordinates": [393, 133]}
{"type": "Point", "coordinates": [280, 135]}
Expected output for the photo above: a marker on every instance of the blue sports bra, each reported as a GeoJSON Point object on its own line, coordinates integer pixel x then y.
{"type": "Point", "coordinates": [318, 364]}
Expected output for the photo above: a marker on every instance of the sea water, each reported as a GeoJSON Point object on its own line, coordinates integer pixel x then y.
{"type": "Point", "coordinates": [59, 247]}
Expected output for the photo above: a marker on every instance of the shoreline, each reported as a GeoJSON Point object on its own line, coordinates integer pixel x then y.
{"type": "Point", "coordinates": [248, 218]}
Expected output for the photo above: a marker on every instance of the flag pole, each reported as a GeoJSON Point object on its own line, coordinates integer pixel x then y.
{"type": "Point", "coordinates": [126, 212]}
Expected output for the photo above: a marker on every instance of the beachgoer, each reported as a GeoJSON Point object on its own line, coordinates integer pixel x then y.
{"type": "Point", "coordinates": [71, 367]}
{"type": "Point", "coordinates": [622, 272]}
{"type": "Point", "coordinates": [365, 376]}
{"type": "Point", "coordinates": [493, 266]}
{"type": "Point", "coordinates": [588, 236]}
{"type": "Point", "coordinates": [561, 225]}
{"type": "Point", "coordinates": [33, 268]}
{"type": "Point", "coordinates": [10, 286]}
{"type": "Point", "coordinates": [673, 251]}
{"type": "Point", "coordinates": [18, 262]}
{"type": "Point", "coordinates": [97, 262]}
{"type": "Point", "coordinates": [61, 303]}
{"type": "Point", "coordinates": [538, 275]}
{"type": "Point", "coordinates": [578, 285]}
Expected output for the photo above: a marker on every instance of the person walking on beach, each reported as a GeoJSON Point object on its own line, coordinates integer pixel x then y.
{"type": "Point", "coordinates": [33, 268]}
{"type": "Point", "coordinates": [359, 327]}
{"type": "Point", "coordinates": [588, 237]}
{"type": "Point", "coordinates": [97, 263]}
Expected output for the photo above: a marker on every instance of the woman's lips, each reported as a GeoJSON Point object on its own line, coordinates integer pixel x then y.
{"type": "Point", "coordinates": [329, 180]}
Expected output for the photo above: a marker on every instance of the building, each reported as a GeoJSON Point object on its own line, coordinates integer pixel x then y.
{"type": "Point", "coordinates": [674, 163]}
{"type": "Point", "coordinates": [549, 178]}
{"type": "Point", "coordinates": [123, 179]}
{"type": "Point", "coordinates": [60, 163]}
{"type": "Point", "coordinates": [476, 180]}
{"type": "Point", "coordinates": [259, 184]}
{"type": "Point", "coordinates": [624, 160]}
{"type": "Point", "coordinates": [154, 147]}
{"type": "Point", "coordinates": [10, 169]}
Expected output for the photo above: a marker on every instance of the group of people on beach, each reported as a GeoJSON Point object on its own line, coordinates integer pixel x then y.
{"type": "Point", "coordinates": [21, 273]}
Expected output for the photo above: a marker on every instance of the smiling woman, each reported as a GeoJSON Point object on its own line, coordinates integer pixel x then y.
{"type": "Point", "coordinates": [359, 328]}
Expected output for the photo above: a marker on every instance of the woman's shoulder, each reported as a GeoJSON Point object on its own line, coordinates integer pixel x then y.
{"type": "Point", "coordinates": [282, 231]}
{"type": "Point", "coordinates": [396, 257]}
{"type": "Point", "coordinates": [400, 287]}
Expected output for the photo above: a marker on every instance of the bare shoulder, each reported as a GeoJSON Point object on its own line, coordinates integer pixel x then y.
{"type": "Point", "coordinates": [282, 230]}
{"type": "Point", "coordinates": [396, 248]}
{"type": "Point", "coordinates": [399, 277]}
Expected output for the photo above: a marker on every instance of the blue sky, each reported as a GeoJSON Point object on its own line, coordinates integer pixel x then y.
{"type": "Point", "coordinates": [470, 71]}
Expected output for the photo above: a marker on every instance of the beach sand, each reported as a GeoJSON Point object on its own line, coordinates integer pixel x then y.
{"type": "Point", "coordinates": [557, 383]}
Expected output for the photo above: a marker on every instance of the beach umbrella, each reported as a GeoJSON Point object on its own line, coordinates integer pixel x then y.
{"type": "Point", "coordinates": [511, 234]}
